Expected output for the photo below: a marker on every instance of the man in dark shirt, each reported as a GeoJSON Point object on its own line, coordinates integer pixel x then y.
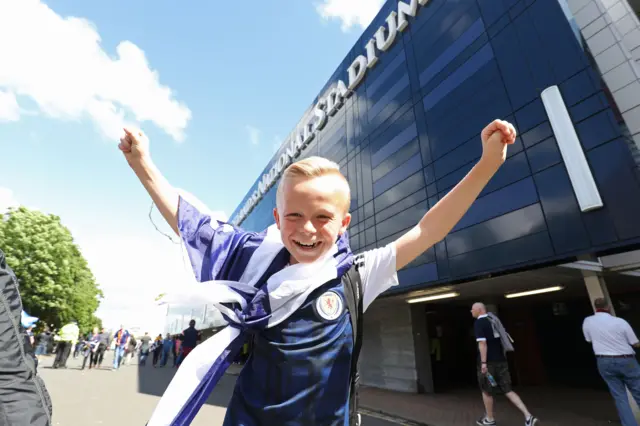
{"type": "Point", "coordinates": [103, 345]}
{"type": "Point", "coordinates": [43, 342]}
{"type": "Point", "coordinates": [190, 337]}
{"type": "Point", "coordinates": [493, 369]}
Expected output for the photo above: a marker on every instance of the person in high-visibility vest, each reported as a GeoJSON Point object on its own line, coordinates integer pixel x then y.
{"type": "Point", "coordinates": [66, 338]}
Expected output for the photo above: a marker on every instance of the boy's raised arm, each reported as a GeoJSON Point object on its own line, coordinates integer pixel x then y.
{"type": "Point", "coordinates": [439, 220]}
{"type": "Point", "coordinates": [135, 146]}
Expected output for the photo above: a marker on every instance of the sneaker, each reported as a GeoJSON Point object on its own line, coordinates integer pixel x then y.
{"type": "Point", "coordinates": [484, 421]}
{"type": "Point", "coordinates": [531, 421]}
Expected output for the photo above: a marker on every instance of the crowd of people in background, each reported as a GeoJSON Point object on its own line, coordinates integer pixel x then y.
{"type": "Point", "coordinates": [66, 342]}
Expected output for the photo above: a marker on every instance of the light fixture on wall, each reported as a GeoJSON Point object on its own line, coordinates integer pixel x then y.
{"type": "Point", "coordinates": [580, 176]}
{"type": "Point", "coordinates": [433, 297]}
{"type": "Point", "coordinates": [533, 292]}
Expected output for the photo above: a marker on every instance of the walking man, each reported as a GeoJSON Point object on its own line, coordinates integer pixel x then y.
{"type": "Point", "coordinates": [145, 345]}
{"type": "Point", "coordinates": [122, 341]}
{"type": "Point", "coordinates": [493, 369]}
{"type": "Point", "coordinates": [613, 343]}
{"type": "Point", "coordinates": [103, 344]}
{"type": "Point", "coordinates": [167, 345]}
{"type": "Point", "coordinates": [190, 337]}
{"type": "Point", "coordinates": [43, 342]}
{"type": "Point", "coordinates": [67, 339]}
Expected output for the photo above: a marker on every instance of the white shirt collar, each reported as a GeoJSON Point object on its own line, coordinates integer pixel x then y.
{"type": "Point", "coordinates": [483, 316]}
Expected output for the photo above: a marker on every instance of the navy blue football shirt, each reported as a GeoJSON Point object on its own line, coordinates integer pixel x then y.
{"type": "Point", "coordinates": [299, 371]}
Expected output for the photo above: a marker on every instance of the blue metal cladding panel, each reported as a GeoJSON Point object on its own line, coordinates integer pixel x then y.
{"type": "Point", "coordinates": [561, 210]}
{"type": "Point", "coordinates": [492, 10]}
{"type": "Point", "coordinates": [442, 260]}
{"type": "Point", "coordinates": [515, 252]}
{"type": "Point", "coordinates": [408, 168]}
{"type": "Point", "coordinates": [597, 129]}
{"type": "Point", "coordinates": [497, 230]}
{"type": "Point", "coordinates": [452, 51]}
{"type": "Point", "coordinates": [505, 200]}
{"type": "Point", "coordinates": [396, 159]}
{"type": "Point", "coordinates": [484, 55]}
{"type": "Point", "coordinates": [487, 76]}
{"type": "Point", "coordinates": [613, 171]}
{"type": "Point", "coordinates": [418, 274]}
{"type": "Point", "coordinates": [544, 155]}
{"type": "Point", "coordinates": [406, 136]}
{"type": "Point", "coordinates": [411, 132]}
{"type": "Point", "coordinates": [405, 203]}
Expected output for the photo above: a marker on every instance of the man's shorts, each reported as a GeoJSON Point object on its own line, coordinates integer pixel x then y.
{"type": "Point", "coordinates": [500, 373]}
{"type": "Point", "coordinates": [186, 351]}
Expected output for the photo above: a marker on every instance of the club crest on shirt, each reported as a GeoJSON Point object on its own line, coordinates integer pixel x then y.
{"type": "Point", "coordinates": [329, 305]}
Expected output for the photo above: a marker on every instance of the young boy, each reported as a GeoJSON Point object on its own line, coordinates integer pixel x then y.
{"type": "Point", "coordinates": [298, 373]}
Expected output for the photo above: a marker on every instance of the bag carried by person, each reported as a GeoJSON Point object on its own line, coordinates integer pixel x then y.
{"type": "Point", "coordinates": [353, 294]}
{"type": "Point", "coordinates": [500, 332]}
{"type": "Point", "coordinates": [24, 400]}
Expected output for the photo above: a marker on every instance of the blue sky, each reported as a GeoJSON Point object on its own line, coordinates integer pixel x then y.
{"type": "Point", "coordinates": [216, 85]}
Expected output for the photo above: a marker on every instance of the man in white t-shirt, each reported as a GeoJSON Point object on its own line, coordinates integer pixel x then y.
{"type": "Point", "coordinates": [613, 343]}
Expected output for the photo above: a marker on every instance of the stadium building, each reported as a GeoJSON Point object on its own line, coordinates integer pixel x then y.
{"type": "Point", "coordinates": [558, 225]}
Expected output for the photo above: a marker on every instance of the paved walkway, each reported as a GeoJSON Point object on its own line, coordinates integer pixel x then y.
{"type": "Point", "coordinates": [93, 397]}
{"type": "Point", "coordinates": [554, 407]}
{"type": "Point", "coordinates": [128, 396]}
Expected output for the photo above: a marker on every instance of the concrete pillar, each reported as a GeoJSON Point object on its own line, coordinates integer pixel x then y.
{"type": "Point", "coordinates": [596, 288]}
{"type": "Point", "coordinates": [388, 353]}
{"type": "Point", "coordinates": [422, 348]}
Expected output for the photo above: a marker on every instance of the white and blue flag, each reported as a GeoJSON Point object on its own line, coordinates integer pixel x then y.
{"type": "Point", "coordinates": [27, 320]}
{"type": "Point", "coordinates": [245, 275]}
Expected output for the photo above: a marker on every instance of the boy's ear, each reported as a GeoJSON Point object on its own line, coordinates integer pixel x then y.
{"type": "Point", "coordinates": [346, 220]}
{"type": "Point", "coordinates": [276, 216]}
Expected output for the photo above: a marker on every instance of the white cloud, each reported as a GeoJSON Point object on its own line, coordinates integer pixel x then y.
{"type": "Point", "coordinates": [132, 271]}
{"type": "Point", "coordinates": [7, 200]}
{"type": "Point", "coordinates": [254, 135]}
{"type": "Point", "coordinates": [9, 109]}
{"type": "Point", "coordinates": [59, 63]}
{"type": "Point", "coordinates": [350, 12]}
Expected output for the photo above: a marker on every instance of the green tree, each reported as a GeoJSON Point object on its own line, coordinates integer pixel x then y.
{"type": "Point", "coordinates": [56, 283]}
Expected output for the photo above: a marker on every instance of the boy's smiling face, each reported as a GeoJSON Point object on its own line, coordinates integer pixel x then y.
{"type": "Point", "coordinates": [311, 213]}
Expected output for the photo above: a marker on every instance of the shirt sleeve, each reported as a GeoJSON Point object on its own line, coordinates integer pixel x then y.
{"type": "Point", "coordinates": [481, 336]}
{"type": "Point", "coordinates": [209, 243]}
{"type": "Point", "coordinates": [585, 331]}
{"type": "Point", "coordinates": [632, 339]}
{"type": "Point", "coordinates": [377, 269]}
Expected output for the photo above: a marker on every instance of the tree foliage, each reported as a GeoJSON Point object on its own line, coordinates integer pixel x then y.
{"type": "Point", "coordinates": [56, 283]}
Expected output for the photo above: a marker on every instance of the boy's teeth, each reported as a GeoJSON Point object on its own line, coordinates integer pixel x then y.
{"type": "Point", "coordinates": [306, 245]}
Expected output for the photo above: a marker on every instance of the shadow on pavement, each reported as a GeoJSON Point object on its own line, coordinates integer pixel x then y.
{"type": "Point", "coordinates": [154, 381]}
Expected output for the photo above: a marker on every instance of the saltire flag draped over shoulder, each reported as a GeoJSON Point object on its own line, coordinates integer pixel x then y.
{"type": "Point", "coordinates": [27, 320]}
{"type": "Point", "coordinates": [244, 275]}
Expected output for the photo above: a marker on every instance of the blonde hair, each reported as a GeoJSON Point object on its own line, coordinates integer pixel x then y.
{"type": "Point", "coordinates": [308, 168]}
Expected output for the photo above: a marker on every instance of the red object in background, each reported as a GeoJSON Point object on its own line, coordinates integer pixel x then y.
{"type": "Point", "coordinates": [186, 351]}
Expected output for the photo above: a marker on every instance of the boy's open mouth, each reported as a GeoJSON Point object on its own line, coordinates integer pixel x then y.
{"type": "Point", "coordinates": [307, 246]}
